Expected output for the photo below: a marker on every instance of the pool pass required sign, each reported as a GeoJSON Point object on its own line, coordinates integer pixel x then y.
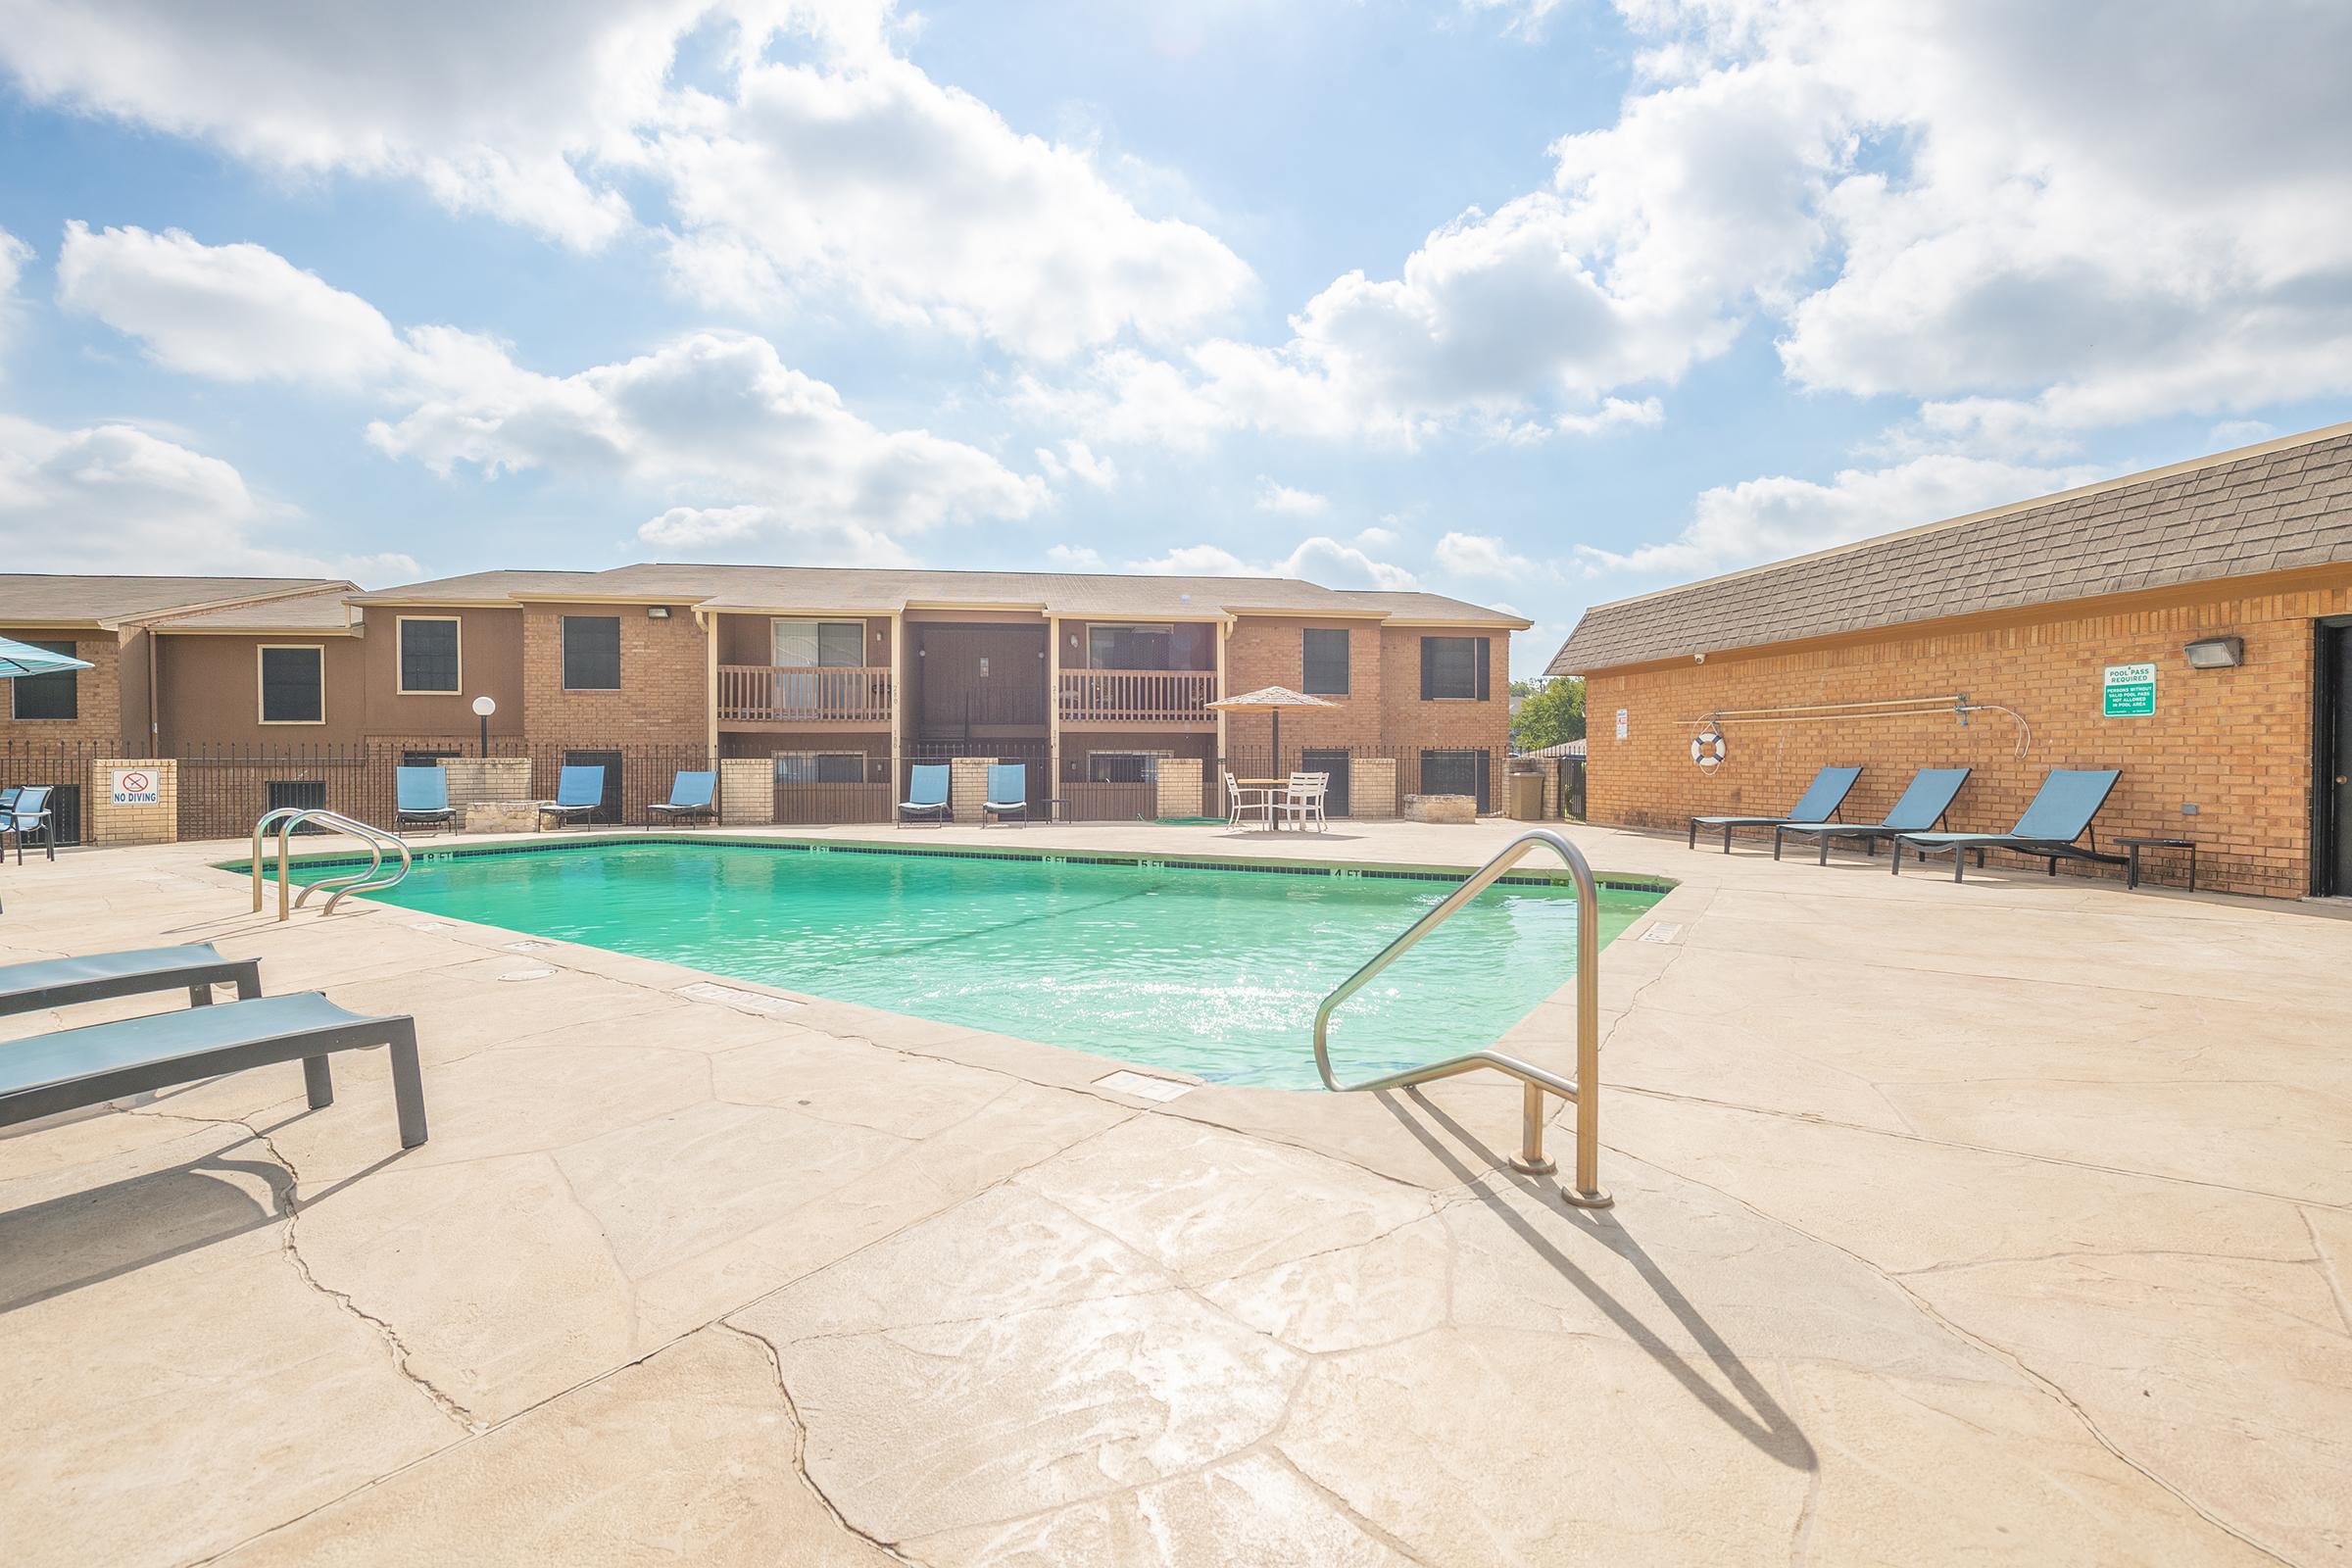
{"type": "Point", "coordinates": [2128, 692]}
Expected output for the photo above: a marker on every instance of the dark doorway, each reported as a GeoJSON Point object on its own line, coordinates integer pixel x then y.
{"type": "Point", "coordinates": [2331, 784]}
{"type": "Point", "coordinates": [297, 792]}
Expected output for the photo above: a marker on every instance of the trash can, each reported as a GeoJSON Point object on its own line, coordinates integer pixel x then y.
{"type": "Point", "coordinates": [1527, 798]}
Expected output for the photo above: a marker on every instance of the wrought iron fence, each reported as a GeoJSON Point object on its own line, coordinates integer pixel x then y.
{"type": "Point", "coordinates": [64, 768]}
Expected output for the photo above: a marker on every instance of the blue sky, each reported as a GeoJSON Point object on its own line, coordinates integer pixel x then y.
{"type": "Point", "coordinates": [1534, 302]}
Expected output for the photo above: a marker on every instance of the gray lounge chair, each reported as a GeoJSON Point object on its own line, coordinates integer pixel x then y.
{"type": "Point", "coordinates": [579, 793]}
{"type": "Point", "coordinates": [1007, 793]}
{"type": "Point", "coordinates": [422, 797]}
{"type": "Point", "coordinates": [691, 795]}
{"type": "Point", "coordinates": [2061, 814]}
{"type": "Point", "coordinates": [1923, 805]}
{"type": "Point", "coordinates": [72, 1069]}
{"type": "Point", "coordinates": [1819, 803]}
{"type": "Point", "coordinates": [30, 812]}
{"type": "Point", "coordinates": [61, 982]}
{"type": "Point", "coordinates": [927, 790]}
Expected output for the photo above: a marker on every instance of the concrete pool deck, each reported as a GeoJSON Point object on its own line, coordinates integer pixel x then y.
{"type": "Point", "coordinates": [2010, 1221]}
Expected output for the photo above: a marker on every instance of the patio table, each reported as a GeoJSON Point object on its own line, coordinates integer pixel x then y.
{"type": "Point", "coordinates": [1278, 786]}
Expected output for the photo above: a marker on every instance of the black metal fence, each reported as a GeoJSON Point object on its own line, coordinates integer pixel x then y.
{"type": "Point", "coordinates": [64, 768]}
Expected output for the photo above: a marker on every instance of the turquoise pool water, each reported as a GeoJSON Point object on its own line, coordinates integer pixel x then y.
{"type": "Point", "coordinates": [1211, 973]}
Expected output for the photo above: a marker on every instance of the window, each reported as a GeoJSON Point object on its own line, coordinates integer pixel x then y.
{"type": "Point", "coordinates": [820, 767]}
{"type": "Point", "coordinates": [428, 655]}
{"type": "Point", "coordinates": [1123, 768]}
{"type": "Point", "coordinates": [1456, 774]}
{"type": "Point", "coordinates": [1324, 663]}
{"type": "Point", "coordinates": [1454, 667]}
{"type": "Point", "coordinates": [816, 643]}
{"type": "Point", "coordinates": [1129, 646]}
{"type": "Point", "coordinates": [52, 696]}
{"type": "Point", "coordinates": [293, 685]}
{"type": "Point", "coordinates": [592, 653]}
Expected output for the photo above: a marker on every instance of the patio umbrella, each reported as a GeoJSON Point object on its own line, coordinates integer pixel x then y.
{"type": "Point", "coordinates": [1269, 699]}
{"type": "Point", "coordinates": [22, 658]}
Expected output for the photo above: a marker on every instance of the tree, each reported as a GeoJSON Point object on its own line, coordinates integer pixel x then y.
{"type": "Point", "coordinates": [1550, 712]}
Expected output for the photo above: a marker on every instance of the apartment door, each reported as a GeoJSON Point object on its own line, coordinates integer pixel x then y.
{"type": "Point", "coordinates": [2331, 794]}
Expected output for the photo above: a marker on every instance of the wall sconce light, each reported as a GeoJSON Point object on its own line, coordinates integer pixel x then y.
{"type": "Point", "coordinates": [656, 611]}
{"type": "Point", "coordinates": [2216, 653]}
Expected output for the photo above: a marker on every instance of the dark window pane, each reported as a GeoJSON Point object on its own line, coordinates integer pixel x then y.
{"type": "Point", "coordinates": [293, 685]}
{"type": "Point", "coordinates": [592, 653]}
{"type": "Point", "coordinates": [1450, 666]}
{"type": "Point", "coordinates": [1326, 663]}
{"type": "Point", "coordinates": [1121, 767]}
{"type": "Point", "coordinates": [428, 656]}
{"type": "Point", "coordinates": [1128, 647]}
{"type": "Point", "coordinates": [820, 767]}
{"type": "Point", "coordinates": [54, 696]}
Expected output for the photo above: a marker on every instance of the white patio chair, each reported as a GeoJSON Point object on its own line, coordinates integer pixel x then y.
{"type": "Point", "coordinates": [1243, 804]}
{"type": "Point", "coordinates": [1303, 801]}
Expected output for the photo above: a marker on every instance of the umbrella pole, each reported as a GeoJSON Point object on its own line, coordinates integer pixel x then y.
{"type": "Point", "coordinates": [1277, 717]}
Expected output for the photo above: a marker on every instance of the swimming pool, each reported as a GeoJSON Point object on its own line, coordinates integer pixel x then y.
{"type": "Point", "coordinates": [1214, 972]}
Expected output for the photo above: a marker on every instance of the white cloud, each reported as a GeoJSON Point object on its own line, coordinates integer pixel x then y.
{"type": "Point", "coordinates": [754, 452]}
{"type": "Point", "coordinates": [1379, 538]}
{"type": "Point", "coordinates": [1282, 497]}
{"type": "Point", "coordinates": [1767, 519]}
{"type": "Point", "coordinates": [1480, 554]}
{"type": "Point", "coordinates": [1077, 460]}
{"type": "Point", "coordinates": [1075, 557]}
{"type": "Point", "coordinates": [14, 254]}
{"type": "Point", "coordinates": [116, 498]}
{"type": "Point", "coordinates": [843, 170]}
{"type": "Point", "coordinates": [1319, 559]}
{"type": "Point", "coordinates": [1613, 414]}
{"type": "Point", "coordinates": [232, 313]}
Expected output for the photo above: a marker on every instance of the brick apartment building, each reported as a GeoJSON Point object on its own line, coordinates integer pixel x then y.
{"type": "Point", "coordinates": [2027, 616]}
{"type": "Point", "coordinates": [839, 678]}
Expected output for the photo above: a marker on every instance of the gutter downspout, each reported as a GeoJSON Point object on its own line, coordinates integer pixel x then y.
{"type": "Point", "coordinates": [1053, 708]}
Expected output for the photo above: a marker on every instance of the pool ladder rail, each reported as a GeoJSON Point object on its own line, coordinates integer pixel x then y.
{"type": "Point", "coordinates": [290, 817]}
{"type": "Point", "coordinates": [1583, 1092]}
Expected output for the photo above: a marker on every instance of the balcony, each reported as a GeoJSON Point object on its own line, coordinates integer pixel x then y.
{"type": "Point", "coordinates": [1139, 699]}
{"type": "Point", "coordinates": [789, 697]}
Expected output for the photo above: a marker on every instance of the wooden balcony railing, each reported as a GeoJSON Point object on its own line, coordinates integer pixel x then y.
{"type": "Point", "coordinates": [778, 694]}
{"type": "Point", "coordinates": [1144, 697]}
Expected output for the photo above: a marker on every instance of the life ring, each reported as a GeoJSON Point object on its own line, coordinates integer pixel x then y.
{"type": "Point", "coordinates": [1707, 749]}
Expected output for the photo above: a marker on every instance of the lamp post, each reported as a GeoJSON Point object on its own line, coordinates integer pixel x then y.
{"type": "Point", "coordinates": [483, 708]}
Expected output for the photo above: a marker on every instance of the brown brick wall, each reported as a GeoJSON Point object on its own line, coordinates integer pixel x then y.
{"type": "Point", "coordinates": [1413, 727]}
{"type": "Point", "coordinates": [98, 693]}
{"type": "Point", "coordinates": [1271, 651]}
{"type": "Point", "coordinates": [2235, 743]}
{"type": "Point", "coordinates": [663, 698]}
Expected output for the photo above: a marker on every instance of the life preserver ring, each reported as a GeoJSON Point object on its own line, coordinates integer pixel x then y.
{"type": "Point", "coordinates": [1707, 749]}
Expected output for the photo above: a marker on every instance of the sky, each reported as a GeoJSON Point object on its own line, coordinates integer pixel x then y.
{"type": "Point", "coordinates": [1537, 302]}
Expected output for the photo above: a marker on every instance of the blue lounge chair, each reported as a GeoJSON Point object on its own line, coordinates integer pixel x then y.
{"type": "Point", "coordinates": [927, 790]}
{"type": "Point", "coordinates": [1819, 803]}
{"type": "Point", "coordinates": [1007, 793]}
{"type": "Point", "coordinates": [579, 792]}
{"type": "Point", "coordinates": [423, 797]}
{"type": "Point", "coordinates": [691, 795]}
{"type": "Point", "coordinates": [1923, 807]}
{"type": "Point", "coordinates": [60, 982]}
{"type": "Point", "coordinates": [45, 1074]}
{"type": "Point", "coordinates": [28, 813]}
{"type": "Point", "coordinates": [2060, 814]}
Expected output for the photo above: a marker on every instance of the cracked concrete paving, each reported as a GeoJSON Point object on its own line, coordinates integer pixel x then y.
{"type": "Point", "coordinates": [2009, 1222]}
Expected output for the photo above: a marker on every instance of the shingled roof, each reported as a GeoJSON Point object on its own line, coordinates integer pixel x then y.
{"type": "Point", "coordinates": [2269, 507]}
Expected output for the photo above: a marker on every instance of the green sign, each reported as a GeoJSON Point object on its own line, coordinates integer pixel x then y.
{"type": "Point", "coordinates": [2130, 691]}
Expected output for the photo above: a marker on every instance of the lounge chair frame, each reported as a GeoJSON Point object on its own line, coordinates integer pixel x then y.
{"type": "Point", "coordinates": [47, 983]}
{"type": "Point", "coordinates": [1825, 776]}
{"type": "Point", "coordinates": [939, 806]}
{"type": "Point", "coordinates": [301, 1027]}
{"type": "Point", "coordinates": [13, 825]}
{"type": "Point", "coordinates": [563, 811]}
{"type": "Point", "coordinates": [444, 817]}
{"type": "Point", "coordinates": [1870, 833]}
{"type": "Point", "coordinates": [2038, 846]}
{"type": "Point", "coordinates": [1001, 810]}
{"type": "Point", "coordinates": [674, 811]}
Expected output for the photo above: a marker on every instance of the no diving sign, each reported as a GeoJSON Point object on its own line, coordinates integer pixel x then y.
{"type": "Point", "coordinates": [136, 786]}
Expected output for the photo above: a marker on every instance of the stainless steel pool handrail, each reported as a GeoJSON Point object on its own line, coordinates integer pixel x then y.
{"type": "Point", "coordinates": [1583, 1092]}
{"type": "Point", "coordinates": [291, 817]}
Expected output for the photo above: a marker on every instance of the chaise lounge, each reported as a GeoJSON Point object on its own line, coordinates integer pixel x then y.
{"type": "Point", "coordinates": [1923, 804]}
{"type": "Point", "coordinates": [1007, 793]}
{"type": "Point", "coordinates": [1819, 803]}
{"type": "Point", "coordinates": [579, 795]}
{"type": "Point", "coordinates": [2061, 814]}
{"type": "Point", "coordinates": [927, 790]}
{"type": "Point", "coordinates": [423, 799]}
{"type": "Point", "coordinates": [692, 794]}
{"type": "Point", "coordinates": [72, 1069]}
{"type": "Point", "coordinates": [98, 976]}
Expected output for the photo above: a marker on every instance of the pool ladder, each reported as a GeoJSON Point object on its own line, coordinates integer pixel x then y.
{"type": "Point", "coordinates": [288, 818]}
{"type": "Point", "coordinates": [1583, 1092]}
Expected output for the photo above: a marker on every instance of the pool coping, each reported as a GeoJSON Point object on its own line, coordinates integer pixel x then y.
{"type": "Point", "coordinates": [1266, 865]}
